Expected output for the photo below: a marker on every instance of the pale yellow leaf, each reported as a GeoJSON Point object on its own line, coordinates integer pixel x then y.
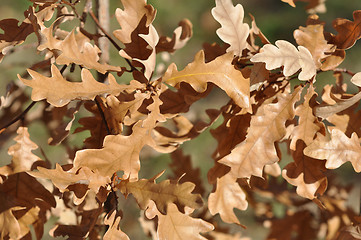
{"type": "Point", "coordinates": [129, 18]}
{"type": "Point", "coordinates": [288, 56]}
{"type": "Point", "coordinates": [176, 225]}
{"type": "Point", "coordinates": [219, 71]}
{"type": "Point", "coordinates": [59, 92]}
{"type": "Point", "coordinates": [267, 126]}
{"type": "Point", "coordinates": [356, 79]}
{"type": "Point", "coordinates": [227, 196]}
{"type": "Point", "coordinates": [233, 30]}
{"type": "Point", "coordinates": [338, 150]}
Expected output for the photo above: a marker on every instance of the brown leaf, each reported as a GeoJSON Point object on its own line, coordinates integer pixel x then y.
{"type": "Point", "coordinates": [348, 31]}
{"type": "Point", "coordinates": [181, 35]}
{"type": "Point", "coordinates": [161, 193]}
{"type": "Point", "coordinates": [220, 72]}
{"type": "Point", "coordinates": [267, 126]}
{"type": "Point", "coordinates": [176, 225]}
{"type": "Point", "coordinates": [20, 189]}
{"type": "Point", "coordinates": [59, 92]}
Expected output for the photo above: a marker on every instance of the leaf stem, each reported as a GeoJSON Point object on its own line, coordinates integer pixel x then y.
{"type": "Point", "coordinates": [21, 116]}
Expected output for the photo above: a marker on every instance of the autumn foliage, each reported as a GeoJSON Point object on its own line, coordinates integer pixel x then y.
{"type": "Point", "coordinates": [134, 104]}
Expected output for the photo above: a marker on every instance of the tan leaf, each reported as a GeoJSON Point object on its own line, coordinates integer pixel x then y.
{"type": "Point", "coordinates": [176, 225]}
{"type": "Point", "coordinates": [313, 39]}
{"type": "Point", "coordinates": [59, 92]}
{"type": "Point", "coordinates": [161, 193]}
{"type": "Point", "coordinates": [219, 71]}
{"type": "Point", "coordinates": [121, 153]}
{"type": "Point", "coordinates": [85, 55]}
{"type": "Point", "coordinates": [227, 196]}
{"type": "Point", "coordinates": [62, 179]}
{"type": "Point", "coordinates": [130, 17]}
{"type": "Point", "coordinates": [9, 225]}
{"type": "Point", "coordinates": [114, 232]}
{"type": "Point", "coordinates": [348, 31]}
{"type": "Point", "coordinates": [338, 150]}
{"type": "Point", "coordinates": [328, 110]}
{"type": "Point", "coordinates": [306, 173]}
{"type": "Point", "coordinates": [286, 55]}
{"type": "Point", "coordinates": [233, 30]}
{"type": "Point", "coordinates": [290, 2]}
{"type": "Point", "coordinates": [22, 156]}
{"type": "Point", "coordinates": [267, 126]}
{"type": "Point", "coordinates": [308, 124]}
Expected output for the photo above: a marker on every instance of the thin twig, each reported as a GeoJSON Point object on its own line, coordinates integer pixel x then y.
{"type": "Point", "coordinates": [21, 116]}
{"type": "Point", "coordinates": [102, 114]}
{"type": "Point", "coordinates": [344, 71]}
{"type": "Point", "coordinates": [132, 68]}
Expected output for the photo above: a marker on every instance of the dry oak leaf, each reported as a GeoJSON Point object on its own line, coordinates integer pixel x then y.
{"type": "Point", "coordinates": [22, 156]}
{"type": "Point", "coordinates": [290, 2]}
{"type": "Point", "coordinates": [85, 54]}
{"type": "Point", "coordinates": [161, 193]}
{"type": "Point", "coordinates": [227, 196]}
{"type": "Point", "coordinates": [338, 150]}
{"type": "Point", "coordinates": [233, 30]}
{"type": "Point", "coordinates": [287, 55]}
{"type": "Point", "coordinates": [348, 31]}
{"type": "Point", "coordinates": [16, 228]}
{"type": "Point", "coordinates": [308, 124]}
{"type": "Point", "coordinates": [62, 179]}
{"type": "Point", "coordinates": [267, 127]}
{"type": "Point", "coordinates": [114, 232]}
{"type": "Point", "coordinates": [121, 153]}
{"type": "Point", "coordinates": [129, 18]}
{"type": "Point", "coordinates": [313, 39]}
{"type": "Point", "coordinates": [176, 225]}
{"type": "Point", "coordinates": [152, 39]}
{"type": "Point", "coordinates": [59, 92]}
{"type": "Point", "coordinates": [219, 71]}
{"type": "Point", "coordinates": [306, 173]}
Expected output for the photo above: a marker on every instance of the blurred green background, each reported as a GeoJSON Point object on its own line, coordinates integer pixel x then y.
{"type": "Point", "coordinates": [276, 19]}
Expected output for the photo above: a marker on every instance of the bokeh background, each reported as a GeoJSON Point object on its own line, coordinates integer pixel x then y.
{"type": "Point", "coordinates": [276, 19]}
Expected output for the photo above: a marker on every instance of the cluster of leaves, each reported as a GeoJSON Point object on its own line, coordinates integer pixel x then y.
{"type": "Point", "coordinates": [263, 111]}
